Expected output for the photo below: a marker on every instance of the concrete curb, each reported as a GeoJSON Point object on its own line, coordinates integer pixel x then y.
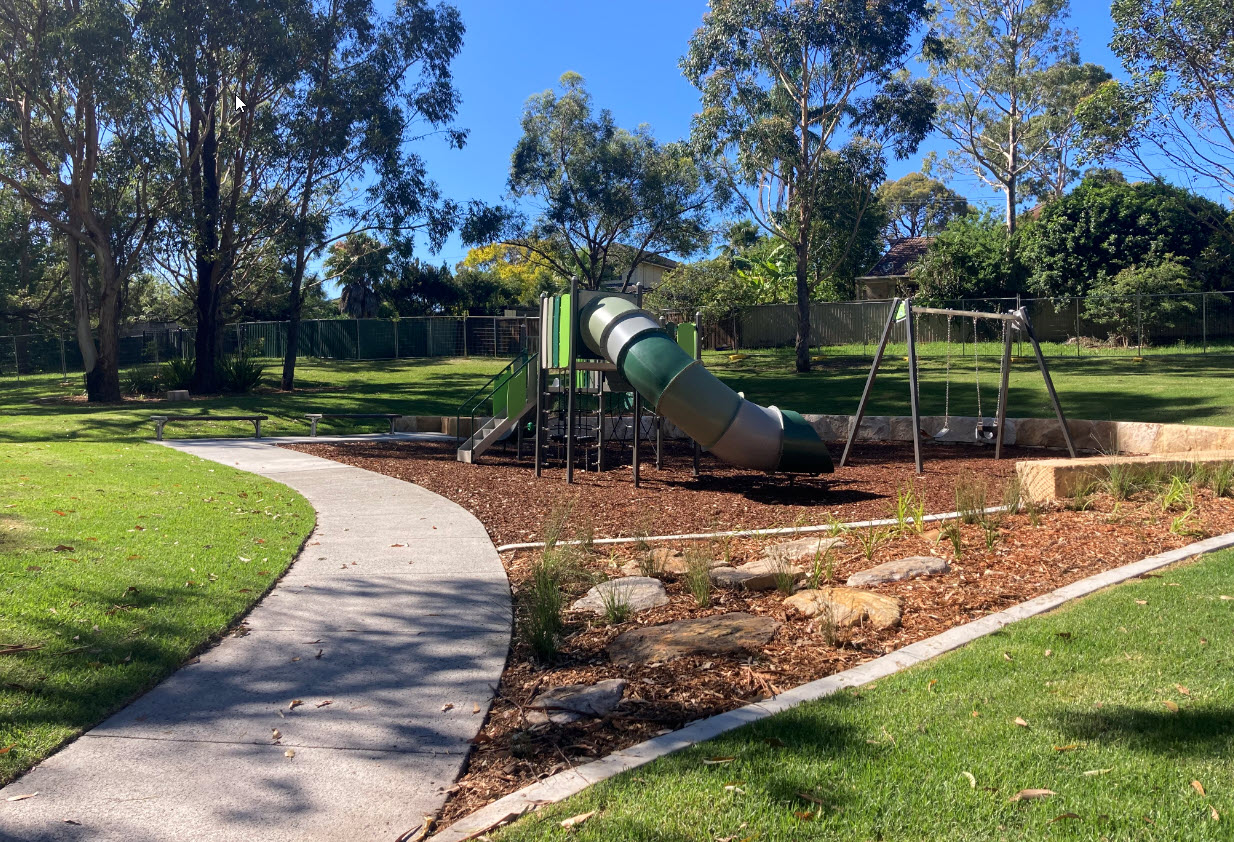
{"type": "Point", "coordinates": [564, 784]}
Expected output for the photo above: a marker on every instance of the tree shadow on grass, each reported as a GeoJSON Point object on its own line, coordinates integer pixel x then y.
{"type": "Point", "coordinates": [1194, 732]}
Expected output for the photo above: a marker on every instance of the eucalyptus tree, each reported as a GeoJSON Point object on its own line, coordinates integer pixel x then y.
{"type": "Point", "coordinates": [919, 206]}
{"type": "Point", "coordinates": [801, 102]}
{"type": "Point", "coordinates": [371, 86]}
{"type": "Point", "coordinates": [1009, 79]}
{"type": "Point", "coordinates": [1175, 114]}
{"type": "Point", "coordinates": [78, 148]}
{"type": "Point", "coordinates": [590, 198]}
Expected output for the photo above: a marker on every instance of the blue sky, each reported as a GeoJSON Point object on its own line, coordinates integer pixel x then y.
{"type": "Point", "coordinates": [628, 52]}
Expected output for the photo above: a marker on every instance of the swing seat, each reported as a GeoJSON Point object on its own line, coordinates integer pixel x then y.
{"type": "Point", "coordinates": [986, 432]}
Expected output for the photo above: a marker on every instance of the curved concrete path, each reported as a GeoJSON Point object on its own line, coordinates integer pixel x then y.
{"type": "Point", "coordinates": [402, 632]}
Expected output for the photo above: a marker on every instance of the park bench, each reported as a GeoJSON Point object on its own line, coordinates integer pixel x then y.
{"type": "Point", "coordinates": [160, 421]}
{"type": "Point", "coordinates": [314, 417]}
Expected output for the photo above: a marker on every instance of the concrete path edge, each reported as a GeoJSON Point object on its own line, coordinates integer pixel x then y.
{"type": "Point", "coordinates": [565, 784]}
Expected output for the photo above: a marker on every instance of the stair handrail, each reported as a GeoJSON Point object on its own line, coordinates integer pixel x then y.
{"type": "Point", "coordinates": [511, 370]}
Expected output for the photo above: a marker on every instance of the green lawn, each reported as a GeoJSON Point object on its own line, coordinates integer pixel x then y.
{"type": "Point", "coordinates": [1168, 389]}
{"type": "Point", "coordinates": [36, 409]}
{"type": "Point", "coordinates": [1126, 705]}
{"type": "Point", "coordinates": [119, 561]}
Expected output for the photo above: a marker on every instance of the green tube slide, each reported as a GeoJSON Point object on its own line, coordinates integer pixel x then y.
{"type": "Point", "coordinates": [680, 389]}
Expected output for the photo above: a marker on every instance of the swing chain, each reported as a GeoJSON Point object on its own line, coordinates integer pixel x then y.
{"type": "Point", "coordinates": [947, 381]}
{"type": "Point", "coordinates": [977, 374]}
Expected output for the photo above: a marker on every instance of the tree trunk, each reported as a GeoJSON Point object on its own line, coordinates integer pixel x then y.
{"type": "Point", "coordinates": [81, 309]}
{"type": "Point", "coordinates": [104, 379]}
{"type": "Point", "coordinates": [208, 345]}
{"type": "Point", "coordinates": [292, 350]}
{"type": "Point", "coordinates": [803, 307]}
{"type": "Point", "coordinates": [1011, 200]}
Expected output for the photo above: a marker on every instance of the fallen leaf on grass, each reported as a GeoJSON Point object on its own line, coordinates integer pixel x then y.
{"type": "Point", "coordinates": [575, 821]}
{"type": "Point", "coordinates": [1062, 816]}
{"type": "Point", "coordinates": [713, 761]}
{"type": "Point", "coordinates": [1092, 772]}
{"type": "Point", "coordinates": [813, 799]}
{"type": "Point", "coordinates": [1172, 707]}
{"type": "Point", "coordinates": [295, 703]}
{"type": "Point", "coordinates": [1198, 787]}
{"type": "Point", "coordinates": [1049, 652]}
{"type": "Point", "coordinates": [1020, 721]}
{"type": "Point", "coordinates": [21, 797]}
{"type": "Point", "coordinates": [1068, 747]}
{"type": "Point", "coordinates": [8, 748]}
{"type": "Point", "coordinates": [1212, 812]}
{"type": "Point", "coordinates": [1032, 794]}
{"type": "Point", "coordinates": [324, 702]}
{"type": "Point", "coordinates": [1223, 596]}
{"type": "Point", "coordinates": [1182, 689]}
{"type": "Point", "coordinates": [62, 548]}
{"type": "Point", "coordinates": [1006, 656]}
{"type": "Point", "coordinates": [972, 781]}
{"type": "Point", "coordinates": [733, 788]}
{"type": "Point", "coordinates": [1141, 602]}
{"type": "Point", "coordinates": [804, 815]}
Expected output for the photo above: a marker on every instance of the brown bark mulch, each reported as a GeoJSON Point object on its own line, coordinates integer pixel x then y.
{"type": "Point", "coordinates": [1004, 562]}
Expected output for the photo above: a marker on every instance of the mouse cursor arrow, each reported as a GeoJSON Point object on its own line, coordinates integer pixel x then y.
{"type": "Point", "coordinates": [240, 106]}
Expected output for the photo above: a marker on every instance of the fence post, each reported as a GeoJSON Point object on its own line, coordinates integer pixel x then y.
{"type": "Point", "coordinates": [1077, 325]}
{"type": "Point", "coordinates": [239, 344]}
{"type": "Point", "coordinates": [1139, 313]}
{"type": "Point", "coordinates": [396, 321]}
{"type": "Point", "coordinates": [1204, 317]}
{"type": "Point", "coordinates": [64, 368]}
{"type": "Point", "coordinates": [495, 337]}
{"type": "Point", "coordinates": [428, 336]}
{"type": "Point", "coordinates": [465, 354]}
{"type": "Point", "coordinates": [16, 361]}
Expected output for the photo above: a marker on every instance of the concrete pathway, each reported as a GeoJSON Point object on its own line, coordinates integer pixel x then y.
{"type": "Point", "coordinates": [397, 612]}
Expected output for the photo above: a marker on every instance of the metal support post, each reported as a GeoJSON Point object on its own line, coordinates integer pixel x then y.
{"type": "Point", "coordinates": [428, 336]}
{"type": "Point", "coordinates": [638, 429]}
{"type": "Point", "coordinates": [16, 361]}
{"type": "Point", "coordinates": [913, 396]}
{"type": "Point", "coordinates": [1077, 326]}
{"type": "Point", "coordinates": [573, 378]}
{"type": "Point", "coordinates": [600, 424]}
{"type": "Point", "coordinates": [465, 349]}
{"type": "Point", "coordinates": [1049, 384]}
{"type": "Point", "coordinates": [494, 336]}
{"type": "Point", "coordinates": [865, 393]}
{"type": "Point", "coordinates": [698, 355]}
{"type": "Point", "coordinates": [1004, 376]}
{"type": "Point", "coordinates": [659, 442]}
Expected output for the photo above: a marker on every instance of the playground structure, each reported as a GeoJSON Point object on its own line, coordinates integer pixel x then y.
{"type": "Point", "coordinates": [1014, 320]}
{"type": "Point", "coordinates": [602, 356]}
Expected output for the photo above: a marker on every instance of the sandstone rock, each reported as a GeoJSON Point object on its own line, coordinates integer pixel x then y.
{"type": "Point", "coordinates": [638, 593]}
{"type": "Point", "coordinates": [572, 702]}
{"type": "Point", "coordinates": [721, 634]}
{"type": "Point", "coordinates": [177, 394]}
{"type": "Point", "coordinates": [847, 607]}
{"type": "Point", "coordinates": [895, 571]}
{"type": "Point", "coordinates": [760, 575]}
{"type": "Point", "coordinates": [801, 549]}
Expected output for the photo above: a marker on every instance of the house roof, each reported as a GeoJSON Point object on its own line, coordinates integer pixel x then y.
{"type": "Point", "coordinates": [898, 259]}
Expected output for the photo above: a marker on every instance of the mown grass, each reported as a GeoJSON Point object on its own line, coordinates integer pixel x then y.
{"type": "Point", "coordinates": [120, 560]}
{"type": "Point", "coordinates": [49, 408]}
{"type": "Point", "coordinates": [1126, 698]}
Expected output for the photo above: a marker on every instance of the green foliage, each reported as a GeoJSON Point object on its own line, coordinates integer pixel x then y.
{"type": "Point", "coordinates": [951, 531]}
{"type": "Point", "coordinates": [142, 380]}
{"type": "Point", "coordinates": [969, 259]}
{"type": "Point", "coordinates": [615, 602]}
{"type": "Point", "coordinates": [1221, 480]}
{"type": "Point", "coordinates": [1014, 494]}
{"type": "Point", "coordinates": [605, 197]}
{"type": "Point", "coordinates": [1083, 240]}
{"type": "Point", "coordinates": [1120, 481]}
{"type": "Point", "coordinates": [970, 500]}
{"type": "Point", "coordinates": [240, 372]}
{"type": "Point", "coordinates": [919, 206]}
{"type": "Point", "coordinates": [777, 83]}
{"type": "Point", "coordinates": [177, 373]}
{"type": "Point", "coordinates": [822, 569]}
{"type": "Point", "coordinates": [542, 603]}
{"type": "Point", "coordinates": [713, 287]}
{"type": "Point", "coordinates": [698, 576]}
{"type": "Point", "coordinates": [1139, 301]}
{"type": "Point", "coordinates": [870, 539]}
{"type": "Point", "coordinates": [1177, 495]}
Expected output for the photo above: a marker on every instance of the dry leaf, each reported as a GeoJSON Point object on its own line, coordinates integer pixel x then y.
{"type": "Point", "coordinates": [1062, 816]}
{"type": "Point", "coordinates": [733, 788]}
{"type": "Point", "coordinates": [1049, 652]}
{"type": "Point", "coordinates": [62, 548]}
{"type": "Point", "coordinates": [1212, 811]}
{"type": "Point", "coordinates": [972, 781]}
{"type": "Point", "coordinates": [276, 734]}
{"type": "Point", "coordinates": [21, 797]}
{"type": "Point", "coordinates": [447, 706]}
{"type": "Point", "coordinates": [1068, 747]}
{"type": "Point", "coordinates": [295, 703]}
{"type": "Point", "coordinates": [1019, 721]}
{"type": "Point", "coordinates": [1182, 689]}
{"type": "Point", "coordinates": [8, 748]}
{"type": "Point", "coordinates": [1171, 706]}
{"type": "Point", "coordinates": [712, 761]}
{"type": "Point", "coordinates": [291, 752]}
{"type": "Point", "coordinates": [1092, 772]}
{"type": "Point", "coordinates": [1141, 602]}
{"type": "Point", "coordinates": [1006, 656]}
{"type": "Point", "coordinates": [1032, 794]}
{"type": "Point", "coordinates": [804, 815]}
{"type": "Point", "coordinates": [324, 702]}
{"type": "Point", "coordinates": [575, 821]}
{"type": "Point", "coordinates": [475, 707]}
{"type": "Point", "coordinates": [1198, 787]}
{"type": "Point", "coordinates": [1223, 596]}
{"type": "Point", "coordinates": [813, 799]}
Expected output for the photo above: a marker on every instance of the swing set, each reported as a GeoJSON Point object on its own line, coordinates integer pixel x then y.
{"type": "Point", "coordinates": [986, 430]}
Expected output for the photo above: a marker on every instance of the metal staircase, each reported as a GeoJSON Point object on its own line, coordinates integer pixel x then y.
{"type": "Point", "coordinates": [497, 407]}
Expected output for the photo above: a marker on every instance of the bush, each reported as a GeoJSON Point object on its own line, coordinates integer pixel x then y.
{"type": "Point", "coordinates": [240, 372]}
{"type": "Point", "coordinates": [177, 373]}
{"type": "Point", "coordinates": [1148, 297]}
{"type": "Point", "coordinates": [142, 380]}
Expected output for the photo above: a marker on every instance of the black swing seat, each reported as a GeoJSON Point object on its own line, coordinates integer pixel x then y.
{"type": "Point", "coordinates": [986, 432]}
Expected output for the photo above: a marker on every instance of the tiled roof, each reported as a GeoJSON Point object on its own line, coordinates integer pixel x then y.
{"type": "Point", "coordinates": [900, 257]}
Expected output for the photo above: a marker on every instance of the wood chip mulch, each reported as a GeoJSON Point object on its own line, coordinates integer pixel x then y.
{"type": "Point", "coordinates": [999, 565]}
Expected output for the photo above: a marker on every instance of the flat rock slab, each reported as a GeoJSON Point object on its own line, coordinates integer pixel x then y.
{"type": "Point", "coordinates": [722, 634]}
{"type": "Point", "coordinates": [637, 593]}
{"type": "Point", "coordinates": [573, 702]}
{"type": "Point", "coordinates": [763, 574]}
{"type": "Point", "coordinates": [898, 570]}
{"type": "Point", "coordinates": [666, 562]}
{"type": "Point", "coordinates": [847, 607]}
{"type": "Point", "coordinates": [801, 549]}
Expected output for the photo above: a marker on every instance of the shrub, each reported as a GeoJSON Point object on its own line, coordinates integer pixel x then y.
{"type": "Point", "coordinates": [823, 569]}
{"type": "Point", "coordinates": [970, 500]}
{"type": "Point", "coordinates": [1221, 479]}
{"type": "Point", "coordinates": [177, 373]}
{"type": "Point", "coordinates": [1120, 480]}
{"type": "Point", "coordinates": [142, 380]}
{"type": "Point", "coordinates": [542, 604]}
{"type": "Point", "coordinates": [698, 576]}
{"type": "Point", "coordinates": [240, 372]}
{"type": "Point", "coordinates": [616, 601]}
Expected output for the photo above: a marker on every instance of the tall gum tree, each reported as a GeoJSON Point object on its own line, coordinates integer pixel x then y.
{"type": "Point", "coordinates": [1008, 78]}
{"type": "Point", "coordinates": [77, 147]}
{"type": "Point", "coordinates": [801, 101]}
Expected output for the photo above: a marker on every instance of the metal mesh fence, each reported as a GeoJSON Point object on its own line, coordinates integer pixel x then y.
{"type": "Point", "coordinates": [1199, 323]}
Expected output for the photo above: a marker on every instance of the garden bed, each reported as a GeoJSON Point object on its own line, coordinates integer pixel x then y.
{"type": "Point", "coordinates": [995, 562]}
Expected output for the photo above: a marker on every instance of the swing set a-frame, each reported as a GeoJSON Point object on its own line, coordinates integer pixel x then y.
{"type": "Point", "coordinates": [1013, 320]}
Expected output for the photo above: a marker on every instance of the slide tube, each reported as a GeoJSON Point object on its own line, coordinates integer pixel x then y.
{"type": "Point", "coordinates": [680, 389]}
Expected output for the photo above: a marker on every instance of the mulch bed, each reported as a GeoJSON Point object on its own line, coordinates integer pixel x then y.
{"type": "Point", "coordinates": [998, 566]}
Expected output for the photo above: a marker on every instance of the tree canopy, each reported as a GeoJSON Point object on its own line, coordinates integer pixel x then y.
{"type": "Point", "coordinates": [919, 206]}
